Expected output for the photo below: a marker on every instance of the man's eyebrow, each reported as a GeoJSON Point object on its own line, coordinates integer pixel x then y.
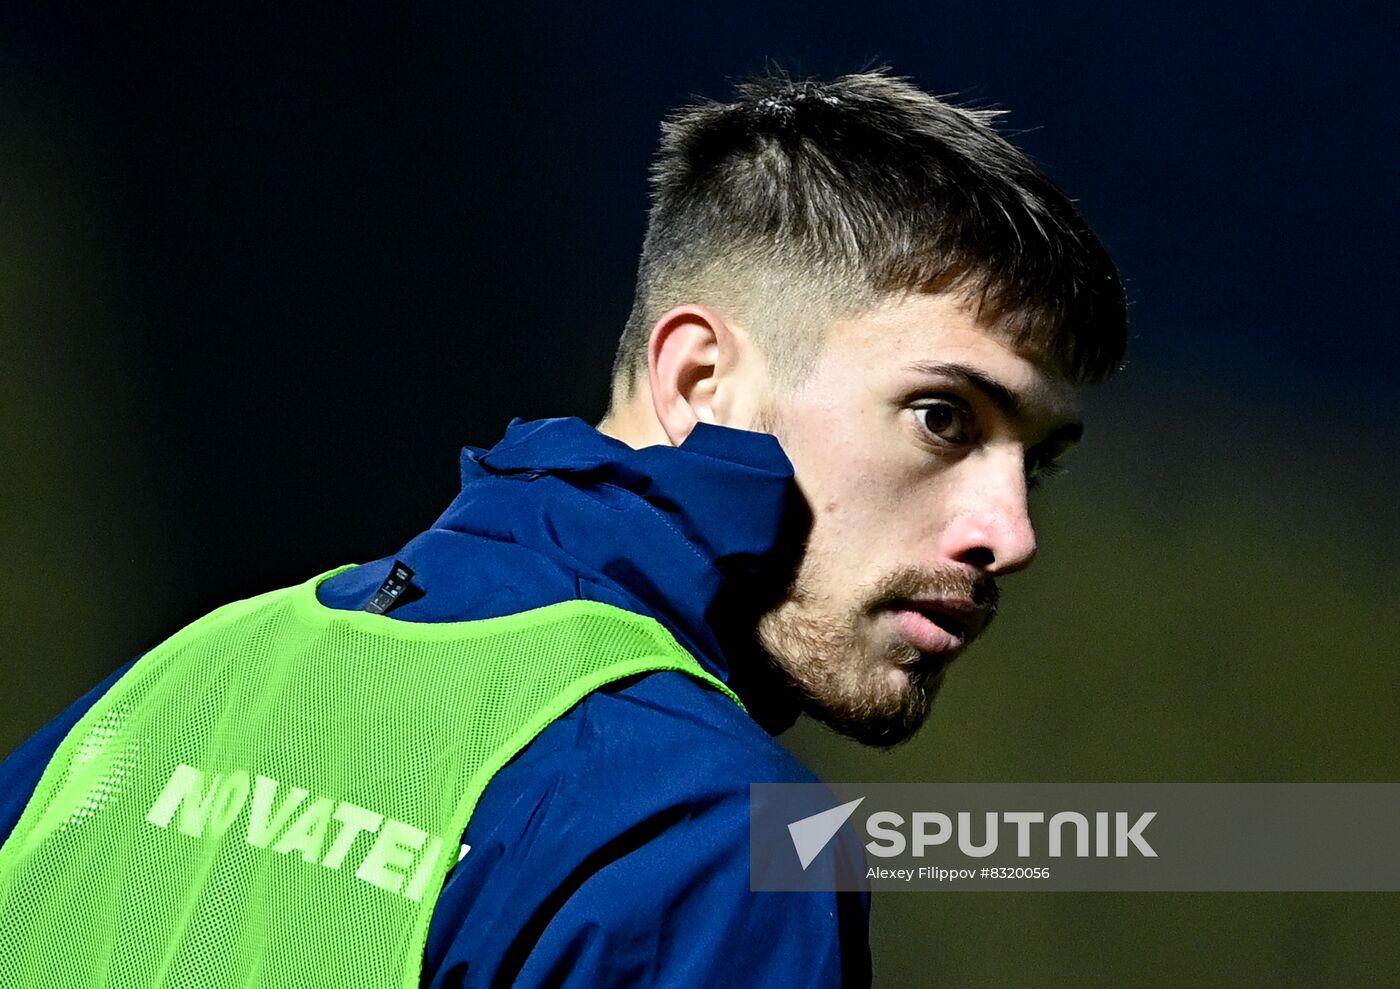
{"type": "Point", "coordinates": [997, 393]}
{"type": "Point", "coordinates": [1066, 434]}
{"type": "Point", "coordinates": [1006, 401]}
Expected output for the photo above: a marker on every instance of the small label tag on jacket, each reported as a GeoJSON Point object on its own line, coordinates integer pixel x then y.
{"type": "Point", "coordinates": [400, 576]}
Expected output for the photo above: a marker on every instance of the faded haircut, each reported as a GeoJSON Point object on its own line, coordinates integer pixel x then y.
{"type": "Point", "coordinates": [802, 202]}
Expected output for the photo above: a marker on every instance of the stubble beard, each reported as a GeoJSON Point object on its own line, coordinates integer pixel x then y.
{"type": "Point", "coordinates": [876, 692]}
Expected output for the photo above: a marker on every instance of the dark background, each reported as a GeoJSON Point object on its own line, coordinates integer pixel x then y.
{"type": "Point", "coordinates": [262, 274]}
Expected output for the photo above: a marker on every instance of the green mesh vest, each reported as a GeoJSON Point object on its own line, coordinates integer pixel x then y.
{"type": "Point", "coordinates": [273, 796]}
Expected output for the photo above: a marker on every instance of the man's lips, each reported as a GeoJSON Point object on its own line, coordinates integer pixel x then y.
{"type": "Point", "coordinates": [941, 627]}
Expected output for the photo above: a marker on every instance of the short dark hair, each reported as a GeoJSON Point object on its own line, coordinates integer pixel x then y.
{"type": "Point", "coordinates": [802, 201]}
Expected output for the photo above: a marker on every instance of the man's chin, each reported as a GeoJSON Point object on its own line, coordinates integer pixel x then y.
{"type": "Point", "coordinates": [861, 679]}
{"type": "Point", "coordinates": [882, 720]}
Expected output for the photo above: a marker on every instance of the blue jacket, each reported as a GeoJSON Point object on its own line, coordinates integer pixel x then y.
{"type": "Point", "coordinates": [613, 850]}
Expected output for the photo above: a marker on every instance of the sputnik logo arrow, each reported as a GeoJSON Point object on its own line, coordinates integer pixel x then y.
{"type": "Point", "coordinates": [811, 834]}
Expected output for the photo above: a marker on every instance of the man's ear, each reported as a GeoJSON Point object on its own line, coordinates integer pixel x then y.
{"type": "Point", "coordinates": [690, 352]}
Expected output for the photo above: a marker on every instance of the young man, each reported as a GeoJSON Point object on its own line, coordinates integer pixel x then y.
{"type": "Point", "coordinates": [274, 796]}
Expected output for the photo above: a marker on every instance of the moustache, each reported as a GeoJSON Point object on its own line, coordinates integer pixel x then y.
{"type": "Point", "coordinates": [916, 583]}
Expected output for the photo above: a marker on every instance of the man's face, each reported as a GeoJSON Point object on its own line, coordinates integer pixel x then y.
{"type": "Point", "coordinates": [914, 440]}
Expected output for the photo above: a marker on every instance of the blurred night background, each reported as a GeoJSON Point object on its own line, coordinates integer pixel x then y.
{"type": "Point", "coordinates": [262, 274]}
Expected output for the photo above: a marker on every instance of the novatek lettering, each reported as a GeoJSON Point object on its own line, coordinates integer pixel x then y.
{"type": "Point", "coordinates": [392, 855]}
{"type": "Point", "coordinates": [307, 834]}
{"type": "Point", "coordinates": [354, 821]}
{"type": "Point", "coordinates": [321, 831]}
{"type": "Point", "coordinates": [268, 819]}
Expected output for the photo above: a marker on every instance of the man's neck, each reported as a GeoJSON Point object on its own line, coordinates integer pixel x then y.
{"type": "Point", "coordinates": [632, 420]}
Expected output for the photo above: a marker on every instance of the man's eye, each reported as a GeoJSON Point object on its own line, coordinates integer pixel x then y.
{"type": "Point", "coordinates": [1038, 472]}
{"type": "Point", "coordinates": [945, 420]}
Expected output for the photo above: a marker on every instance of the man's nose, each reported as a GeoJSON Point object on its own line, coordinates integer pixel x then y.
{"type": "Point", "coordinates": [991, 528]}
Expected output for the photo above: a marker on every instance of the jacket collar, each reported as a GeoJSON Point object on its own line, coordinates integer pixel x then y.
{"type": "Point", "coordinates": [737, 523]}
{"type": "Point", "coordinates": [728, 490]}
